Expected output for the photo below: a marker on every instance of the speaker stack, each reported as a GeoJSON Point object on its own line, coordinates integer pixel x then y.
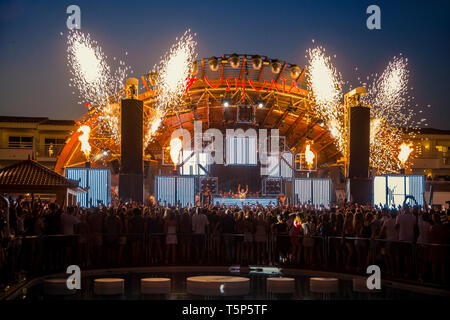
{"type": "Point", "coordinates": [131, 174]}
{"type": "Point", "coordinates": [358, 181]}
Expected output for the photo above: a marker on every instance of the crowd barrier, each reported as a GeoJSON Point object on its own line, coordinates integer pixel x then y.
{"type": "Point", "coordinates": [30, 256]}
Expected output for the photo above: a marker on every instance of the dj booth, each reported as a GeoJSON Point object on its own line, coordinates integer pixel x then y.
{"type": "Point", "coordinates": [246, 201]}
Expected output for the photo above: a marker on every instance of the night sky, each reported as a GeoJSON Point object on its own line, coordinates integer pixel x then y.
{"type": "Point", "coordinates": [34, 77]}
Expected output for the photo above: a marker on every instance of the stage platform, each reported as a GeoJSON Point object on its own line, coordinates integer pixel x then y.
{"type": "Point", "coordinates": [246, 201]}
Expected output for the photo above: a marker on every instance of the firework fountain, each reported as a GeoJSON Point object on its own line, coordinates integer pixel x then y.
{"type": "Point", "coordinates": [171, 74]}
{"type": "Point", "coordinates": [91, 73]}
{"type": "Point", "coordinates": [387, 95]}
{"type": "Point", "coordinates": [100, 89]}
{"type": "Point", "coordinates": [325, 82]}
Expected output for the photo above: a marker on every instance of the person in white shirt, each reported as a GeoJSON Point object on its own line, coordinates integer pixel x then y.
{"type": "Point", "coordinates": [406, 222]}
{"type": "Point", "coordinates": [199, 227]}
{"type": "Point", "coordinates": [390, 232]}
{"type": "Point", "coordinates": [68, 221]}
{"type": "Point", "coordinates": [390, 229]}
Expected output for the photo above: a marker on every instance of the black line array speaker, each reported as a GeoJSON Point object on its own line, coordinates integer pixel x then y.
{"type": "Point", "coordinates": [245, 114]}
{"type": "Point", "coordinates": [114, 166]}
{"type": "Point", "coordinates": [229, 114]}
{"type": "Point", "coordinates": [359, 183]}
{"type": "Point", "coordinates": [131, 175]}
{"type": "Point", "coordinates": [359, 142]}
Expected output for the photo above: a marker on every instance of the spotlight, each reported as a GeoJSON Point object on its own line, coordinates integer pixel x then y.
{"type": "Point", "coordinates": [234, 61]}
{"type": "Point", "coordinates": [105, 153]}
{"type": "Point", "coordinates": [213, 63]}
{"type": "Point", "coordinates": [295, 71]}
{"type": "Point", "coordinates": [276, 66]}
{"type": "Point", "coordinates": [226, 102]}
{"type": "Point", "coordinates": [256, 62]}
{"type": "Point", "coordinates": [260, 104]}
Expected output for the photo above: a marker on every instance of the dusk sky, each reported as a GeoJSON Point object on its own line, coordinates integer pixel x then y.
{"type": "Point", "coordinates": [34, 76]}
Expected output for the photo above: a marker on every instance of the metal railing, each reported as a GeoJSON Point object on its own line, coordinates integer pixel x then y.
{"type": "Point", "coordinates": [50, 151]}
{"type": "Point", "coordinates": [39, 255]}
{"type": "Point", "coordinates": [16, 145]}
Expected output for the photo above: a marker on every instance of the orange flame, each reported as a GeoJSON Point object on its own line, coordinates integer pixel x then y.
{"type": "Point", "coordinates": [309, 156]}
{"type": "Point", "coordinates": [84, 139]}
{"type": "Point", "coordinates": [405, 151]}
{"type": "Point", "coordinates": [175, 149]}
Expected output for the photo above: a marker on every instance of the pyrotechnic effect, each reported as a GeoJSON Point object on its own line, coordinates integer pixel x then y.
{"type": "Point", "coordinates": [91, 74]}
{"type": "Point", "coordinates": [375, 126]}
{"type": "Point", "coordinates": [405, 151]}
{"type": "Point", "coordinates": [175, 150]}
{"type": "Point", "coordinates": [97, 84]}
{"type": "Point", "coordinates": [326, 85]}
{"type": "Point", "coordinates": [172, 72]}
{"type": "Point", "coordinates": [324, 80]}
{"type": "Point", "coordinates": [309, 156]}
{"type": "Point", "coordinates": [333, 127]}
{"type": "Point", "coordinates": [155, 119]}
{"type": "Point", "coordinates": [84, 139]}
{"type": "Point", "coordinates": [388, 96]}
{"type": "Point", "coordinates": [108, 121]}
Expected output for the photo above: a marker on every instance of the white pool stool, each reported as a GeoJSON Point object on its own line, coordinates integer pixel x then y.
{"type": "Point", "coordinates": [280, 285]}
{"type": "Point", "coordinates": [109, 286]}
{"type": "Point", "coordinates": [155, 285]}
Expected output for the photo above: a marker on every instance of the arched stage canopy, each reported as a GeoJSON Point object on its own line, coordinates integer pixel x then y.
{"type": "Point", "coordinates": [281, 86]}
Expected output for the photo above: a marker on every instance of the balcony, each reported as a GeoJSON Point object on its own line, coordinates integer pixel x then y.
{"type": "Point", "coordinates": [431, 160]}
{"type": "Point", "coordinates": [16, 151]}
{"type": "Point", "coordinates": [49, 152]}
{"type": "Point", "coordinates": [21, 151]}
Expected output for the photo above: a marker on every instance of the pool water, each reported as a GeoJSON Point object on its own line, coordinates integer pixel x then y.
{"type": "Point", "coordinates": [258, 290]}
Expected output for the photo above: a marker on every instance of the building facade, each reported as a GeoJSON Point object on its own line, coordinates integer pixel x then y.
{"type": "Point", "coordinates": [43, 139]}
{"type": "Point", "coordinates": [431, 154]}
{"type": "Point", "coordinates": [37, 137]}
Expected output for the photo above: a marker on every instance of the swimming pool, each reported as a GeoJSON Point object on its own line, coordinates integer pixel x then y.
{"type": "Point", "coordinates": [258, 290]}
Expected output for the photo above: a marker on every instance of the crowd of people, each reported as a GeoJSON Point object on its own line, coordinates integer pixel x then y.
{"type": "Point", "coordinates": [408, 242]}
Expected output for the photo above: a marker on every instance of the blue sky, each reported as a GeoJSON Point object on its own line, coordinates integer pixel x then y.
{"type": "Point", "coordinates": [34, 76]}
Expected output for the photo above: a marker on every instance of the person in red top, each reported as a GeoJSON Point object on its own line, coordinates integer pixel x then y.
{"type": "Point", "coordinates": [296, 232]}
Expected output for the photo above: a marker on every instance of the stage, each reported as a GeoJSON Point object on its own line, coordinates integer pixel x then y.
{"type": "Point", "coordinates": [246, 201]}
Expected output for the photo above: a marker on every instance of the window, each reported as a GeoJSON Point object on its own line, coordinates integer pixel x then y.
{"type": "Point", "coordinates": [52, 147]}
{"type": "Point", "coordinates": [55, 141]}
{"type": "Point", "coordinates": [191, 163]}
{"type": "Point", "coordinates": [273, 168]}
{"type": "Point", "coordinates": [419, 150]}
{"type": "Point", "coordinates": [241, 150]}
{"type": "Point", "coordinates": [20, 142]}
{"type": "Point", "coordinates": [442, 149]}
{"type": "Point", "coordinates": [286, 171]}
